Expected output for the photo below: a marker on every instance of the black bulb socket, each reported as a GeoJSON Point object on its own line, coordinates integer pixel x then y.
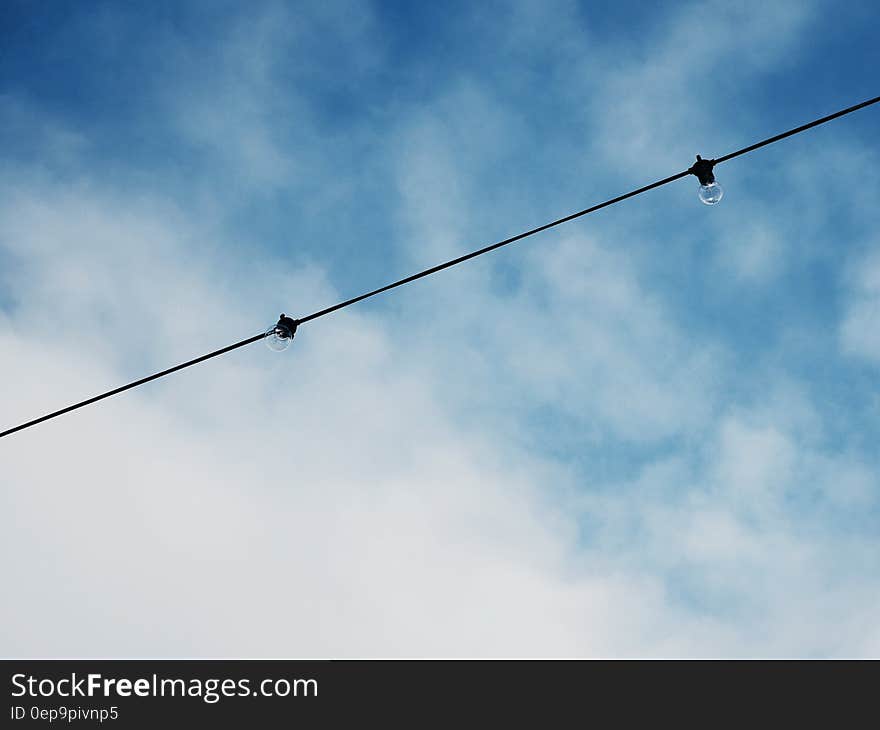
{"type": "Point", "coordinates": [703, 170]}
{"type": "Point", "coordinates": [288, 324]}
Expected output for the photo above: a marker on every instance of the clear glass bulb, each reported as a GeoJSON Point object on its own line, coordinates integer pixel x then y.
{"type": "Point", "coordinates": [711, 193]}
{"type": "Point", "coordinates": [278, 338]}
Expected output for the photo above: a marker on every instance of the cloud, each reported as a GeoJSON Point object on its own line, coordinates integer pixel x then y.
{"type": "Point", "coordinates": [859, 333]}
{"type": "Point", "coordinates": [330, 492]}
{"type": "Point", "coordinates": [663, 91]}
{"type": "Point", "coordinates": [569, 448]}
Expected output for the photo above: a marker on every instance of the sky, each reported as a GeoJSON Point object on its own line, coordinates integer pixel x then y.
{"type": "Point", "coordinates": [650, 432]}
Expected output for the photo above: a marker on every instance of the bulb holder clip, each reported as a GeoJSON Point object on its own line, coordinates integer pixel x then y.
{"type": "Point", "coordinates": [703, 170]}
{"type": "Point", "coordinates": [286, 324]}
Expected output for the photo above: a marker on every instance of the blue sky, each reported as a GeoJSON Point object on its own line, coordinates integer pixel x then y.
{"type": "Point", "coordinates": [650, 432]}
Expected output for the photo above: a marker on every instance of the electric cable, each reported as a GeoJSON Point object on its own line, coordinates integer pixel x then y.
{"type": "Point", "coordinates": [441, 267]}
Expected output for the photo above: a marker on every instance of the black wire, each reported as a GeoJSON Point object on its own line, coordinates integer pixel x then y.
{"type": "Point", "coordinates": [440, 267]}
{"type": "Point", "coordinates": [797, 130]}
{"type": "Point", "coordinates": [134, 384]}
{"type": "Point", "coordinates": [480, 252]}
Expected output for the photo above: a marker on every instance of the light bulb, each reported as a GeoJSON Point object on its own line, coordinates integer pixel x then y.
{"type": "Point", "coordinates": [278, 338]}
{"type": "Point", "coordinates": [711, 193]}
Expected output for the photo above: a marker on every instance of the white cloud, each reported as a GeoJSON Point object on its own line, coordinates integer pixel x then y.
{"type": "Point", "coordinates": [662, 93]}
{"type": "Point", "coordinates": [382, 488]}
{"type": "Point", "coordinates": [752, 252]}
{"type": "Point", "coordinates": [327, 492]}
{"type": "Point", "coordinates": [859, 333]}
